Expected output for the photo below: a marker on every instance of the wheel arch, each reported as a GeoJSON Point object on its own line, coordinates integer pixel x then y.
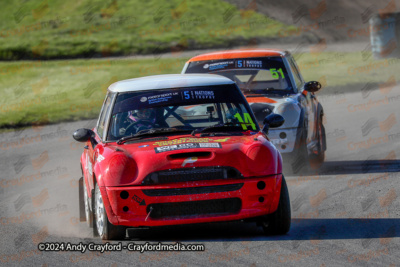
{"type": "Point", "coordinates": [106, 201]}
{"type": "Point", "coordinates": [300, 128]}
{"type": "Point", "coordinates": [320, 114]}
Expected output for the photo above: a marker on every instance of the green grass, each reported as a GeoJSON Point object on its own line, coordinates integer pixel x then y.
{"type": "Point", "coordinates": [339, 69]}
{"type": "Point", "coordinates": [52, 91]}
{"type": "Point", "coordinates": [60, 29]}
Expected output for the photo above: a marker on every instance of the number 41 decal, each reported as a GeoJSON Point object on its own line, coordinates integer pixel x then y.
{"type": "Point", "coordinates": [247, 121]}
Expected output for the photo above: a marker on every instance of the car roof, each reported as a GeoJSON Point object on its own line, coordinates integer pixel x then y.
{"type": "Point", "coordinates": [240, 53]}
{"type": "Point", "coordinates": [158, 82]}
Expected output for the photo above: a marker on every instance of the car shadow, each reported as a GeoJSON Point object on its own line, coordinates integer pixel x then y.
{"type": "Point", "coordinates": [353, 167]}
{"type": "Point", "coordinates": [301, 230]}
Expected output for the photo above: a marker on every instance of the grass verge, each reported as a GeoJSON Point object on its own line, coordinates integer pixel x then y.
{"type": "Point", "coordinates": [40, 92]}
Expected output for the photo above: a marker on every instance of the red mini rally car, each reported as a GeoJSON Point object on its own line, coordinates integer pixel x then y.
{"type": "Point", "coordinates": [180, 149]}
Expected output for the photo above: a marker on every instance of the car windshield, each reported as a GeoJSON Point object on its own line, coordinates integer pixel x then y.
{"type": "Point", "coordinates": [221, 108]}
{"type": "Point", "coordinates": [253, 75]}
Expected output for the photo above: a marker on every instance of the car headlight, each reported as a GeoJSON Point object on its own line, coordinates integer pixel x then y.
{"type": "Point", "coordinates": [260, 159]}
{"type": "Point", "coordinates": [291, 113]}
{"type": "Point", "coordinates": [122, 170]}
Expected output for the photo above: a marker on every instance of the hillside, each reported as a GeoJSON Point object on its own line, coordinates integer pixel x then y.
{"type": "Point", "coordinates": [44, 29]}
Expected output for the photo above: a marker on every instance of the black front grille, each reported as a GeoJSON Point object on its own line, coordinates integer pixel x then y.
{"type": "Point", "coordinates": [192, 190]}
{"type": "Point", "coordinates": [191, 174]}
{"type": "Point", "coordinates": [195, 208]}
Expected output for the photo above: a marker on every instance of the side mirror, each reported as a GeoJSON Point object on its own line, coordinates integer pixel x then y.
{"type": "Point", "coordinates": [83, 135]}
{"type": "Point", "coordinates": [312, 86]}
{"type": "Point", "coordinates": [272, 121]}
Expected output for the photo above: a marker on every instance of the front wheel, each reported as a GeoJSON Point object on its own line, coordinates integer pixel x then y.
{"type": "Point", "coordinates": [88, 212]}
{"type": "Point", "coordinates": [105, 229]}
{"type": "Point", "coordinates": [318, 159]}
{"type": "Point", "coordinates": [278, 223]}
{"type": "Point", "coordinates": [298, 160]}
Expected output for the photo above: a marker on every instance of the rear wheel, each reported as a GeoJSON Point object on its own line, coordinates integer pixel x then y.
{"type": "Point", "coordinates": [105, 229]}
{"type": "Point", "coordinates": [278, 223]}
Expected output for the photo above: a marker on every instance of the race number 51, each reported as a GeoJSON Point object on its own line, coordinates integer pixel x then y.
{"type": "Point", "coordinates": [275, 73]}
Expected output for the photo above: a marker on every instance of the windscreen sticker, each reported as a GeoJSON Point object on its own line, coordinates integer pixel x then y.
{"type": "Point", "coordinates": [275, 73]}
{"type": "Point", "coordinates": [218, 65]}
{"type": "Point", "coordinates": [198, 95]}
{"type": "Point", "coordinates": [246, 122]}
{"type": "Point", "coordinates": [161, 98]}
{"type": "Point", "coordinates": [173, 97]}
{"type": "Point", "coordinates": [248, 63]}
{"type": "Point", "coordinates": [186, 146]}
{"type": "Point", "coordinates": [275, 63]}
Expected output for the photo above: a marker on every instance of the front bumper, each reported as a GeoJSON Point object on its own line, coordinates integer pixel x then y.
{"type": "Point", "coordinates": [195, 202]}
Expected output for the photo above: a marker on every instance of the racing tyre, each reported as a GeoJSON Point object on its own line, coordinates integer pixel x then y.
{"type": "Point", "coordinates": [298, 160]}
{"type": "Point", "coordinates": [88, 212]}
{"type": "Point", "coordinates": [105, 229]}
{"type": "Point", "coordinates": [82, 216]}
{"type": "Point", "coordinates": [317, 160]}
{"type": "Point", "coordinates": [278, 223]}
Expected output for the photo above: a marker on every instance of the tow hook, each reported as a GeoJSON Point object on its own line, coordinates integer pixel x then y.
{"type": "Point", "coordinates": [148, 214]}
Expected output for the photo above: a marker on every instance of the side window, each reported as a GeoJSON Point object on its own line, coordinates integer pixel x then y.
{"type": "Point", "coordinates": [296, 73]}
{"type": "Point", "coordinates": [104, 114]}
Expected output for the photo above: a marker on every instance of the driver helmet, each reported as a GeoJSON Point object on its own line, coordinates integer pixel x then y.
{"type": "Point", "coordinates": [230, 115]}
{"type": "Point", "coordinates": [138, 115]}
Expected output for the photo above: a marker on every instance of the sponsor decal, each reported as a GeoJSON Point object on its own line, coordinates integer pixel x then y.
{"type": "Point", "coordinates": [89, 164]}
{"type": "Point", "coordinates": [143, 146]}
{"type": "Point", "coordinates": [143, 99]}
{"type": "Point", "coordinates": [189, 140]}
{"type": "Point", "coordinates": [222, 140]}
{"type": "Point", "coordinates": [182, 140]}
{"type": "Point", "coordinates": [290, 100]}
{"type": "Point", "coordinates": [218, 65]}
{"type": "Point", "coordinates": [100, 158]}
{"type": "Point", "coordinates": [279, 141]}
{"type": "Point", "coordinates": [189, 160]}
{"type": "Point", "coordinates": [186, 146]}
{"type": "Point", "coordinates": [139, 200]}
